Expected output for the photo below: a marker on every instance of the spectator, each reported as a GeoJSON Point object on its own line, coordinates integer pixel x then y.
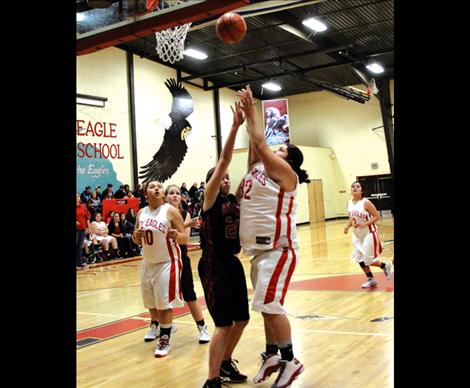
{"type": "Point", "coordinates": [83, 223]}
{"type": "Point", "coordinates": [138, 193]}
{"type": "Point", "coordinates": [94, 203]}
{"type": "Point", "coordinates": [109, 188]}
{"type": "Point", "coordinates": [85, 195]}
{"type": "Point", "coordinates": [129, 195]}
{"type": "Point", "coordinates": [109, 195]}
{"type": "Point", "coordinates": [99, 236]}
{"type": "Point", "coordinates": [183, 189]}
{"type": "Point", "coordinates": [98, 192]}
{"type": "Point", "coordinates": [120, 193]}
{"type": "Point", "coordinates": [185, 201]}
{"type": "Point", "coordinates": [193, 190]}
{"type": "Point", "coordinates": [128, 229]}
{"type": "Point", "coordinates": [201, 187]}
{"type": "Point", "coordinates": [131, 216]}
{"type": "Point", "coordinates": [117, 230]}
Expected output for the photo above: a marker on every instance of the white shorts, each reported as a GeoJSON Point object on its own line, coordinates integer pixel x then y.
{"type": "Point", "coordinates": [270, 274]}
{"type": "Point", "coordinates": [366, 249]}
{"type": "Point", "coordinates": [102, 238]}
{"type": "Point", "coordinates": [160, 285]}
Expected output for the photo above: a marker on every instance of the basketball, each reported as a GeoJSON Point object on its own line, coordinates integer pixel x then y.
{"type": "Point", "coordinates": [230, 28]}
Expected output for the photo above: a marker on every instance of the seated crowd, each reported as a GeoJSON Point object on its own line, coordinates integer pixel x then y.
{"type": "Point", "coordinates": [110, 239]}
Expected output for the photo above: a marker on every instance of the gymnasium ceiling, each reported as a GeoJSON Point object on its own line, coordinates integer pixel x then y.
{"type": "Point", "coordinates": [278, 47]}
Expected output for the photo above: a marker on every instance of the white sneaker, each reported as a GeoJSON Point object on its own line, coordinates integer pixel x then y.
{"type": "Point", "coordinates": [290, 370]}
{"type": "Point", "coordinates": [204, 336]}
{"type": "Point", "coordinates": [370, 283]}
{"type": "Point", "coordinates": [270, 365]}
{"type": "Point", "coordinates": [388, 271]}
{"type": "Point", "coordinates": [163, 347]}
{"type": "Point", "coordinates": [153, 333]}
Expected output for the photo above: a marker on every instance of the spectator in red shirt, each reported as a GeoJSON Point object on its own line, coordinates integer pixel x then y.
{"type": "Point", "coordinates": [83, 223]}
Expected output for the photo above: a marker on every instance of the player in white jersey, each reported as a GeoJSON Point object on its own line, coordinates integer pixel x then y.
{"type": "Point", "coordinates": [159, 228]}
{"type": "Point", "coordinates": [366, 242]}
{"type": "Point", "coordinates": [268, 232]}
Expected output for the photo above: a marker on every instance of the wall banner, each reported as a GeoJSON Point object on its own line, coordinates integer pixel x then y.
{"type": "Point", "coordinates": [276, 121]}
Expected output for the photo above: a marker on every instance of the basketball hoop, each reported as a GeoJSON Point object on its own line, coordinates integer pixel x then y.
{"type": "Point", "coordinates": [372, 87]}
{"type": "Point", "coordinates": [170, 43]}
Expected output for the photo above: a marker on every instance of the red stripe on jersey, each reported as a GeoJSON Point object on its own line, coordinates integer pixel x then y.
{"type": "Point", "coordinates": [275, 278]}
{"type": "Point", "coordinates": [280, 198]}
{"type": "Point", "coordinates": [172, 285]}
{"type": "Point", "coordinates": [370, 225]}
{"type": "Point", "coordinates": [292, 264]}
{"type": "Point", "coordinates": [180, 264]}
{"type": "Point", "coordinates": [376, 253]}
{"type": "Point", "coordinates": [289, 275]}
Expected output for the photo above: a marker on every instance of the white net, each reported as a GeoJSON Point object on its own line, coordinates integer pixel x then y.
{"type": "Point", "coordinates": [170, 43]}
{"type": "Point", "coordinates": [372, 87]}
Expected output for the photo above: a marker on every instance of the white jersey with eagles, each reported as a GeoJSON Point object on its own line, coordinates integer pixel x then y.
{"type": "Point", "coordinates": [267, 213]}
{"type": "Point", "coordinates": [156, 247]}
{"type": "Point", "coordinates": [358, 215]}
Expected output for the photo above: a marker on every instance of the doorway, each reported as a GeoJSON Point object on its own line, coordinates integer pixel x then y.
{"type": "Point", "coordinates": [316, 206]}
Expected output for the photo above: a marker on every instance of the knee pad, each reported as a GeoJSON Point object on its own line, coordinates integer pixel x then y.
{"type": "Point", "coordinates": [362, 264]}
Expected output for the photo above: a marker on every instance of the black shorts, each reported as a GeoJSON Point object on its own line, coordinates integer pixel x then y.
{"type": "Point", "coordinates": [187, 284]}
{"type": "Point", "coordinates": [225, 290]}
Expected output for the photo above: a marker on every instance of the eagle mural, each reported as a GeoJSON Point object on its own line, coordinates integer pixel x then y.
{"type": "Point", "coordinates": [173, 149]}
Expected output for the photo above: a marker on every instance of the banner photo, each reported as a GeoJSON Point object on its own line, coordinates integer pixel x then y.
{"type": "Point", "coordinates": [276, 121]}
{"type": "Point", "coordinates": [119, 205]}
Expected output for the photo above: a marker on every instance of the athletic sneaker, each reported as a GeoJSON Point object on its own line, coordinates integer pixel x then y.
{"type": "Point", "coordinates": [216, 382]}
{"type": "Point", "coordinates": [370, 283]}
{"type": "Point", "coordinates": [388, 271]}
{"type": "Point", "coordinates": [290, 370]}
{"type": "Point", "coordinates": [270, 365]}
{"type": "Point", "coordinates": [153, 333]}
{"type": "Point", "coordinates": [229, 372]}
{"type": "Point", "coordinates": [163, 347]}
{"type": "Point", "coordinates": [204, 336]}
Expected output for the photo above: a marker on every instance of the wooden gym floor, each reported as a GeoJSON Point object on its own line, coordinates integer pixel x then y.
{"type": "Point", "coordinates": [342, 333]}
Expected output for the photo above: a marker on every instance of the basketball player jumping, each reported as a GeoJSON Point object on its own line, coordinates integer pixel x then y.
{"type": "Point", "coordinates": [221, 272]}
{"type": "Point", "coordinates": [268, 232]}
{"type": "Point", "coordinates": [366, 242]}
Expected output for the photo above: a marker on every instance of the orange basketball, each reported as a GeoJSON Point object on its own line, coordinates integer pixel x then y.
{"type": "Point", "coordinates": [230, 27]}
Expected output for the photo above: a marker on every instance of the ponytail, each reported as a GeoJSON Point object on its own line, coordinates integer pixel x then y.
{"type": "Point", "coordinates": [295, 158]}
{"type": "Point", "coordinates": [303, 176]}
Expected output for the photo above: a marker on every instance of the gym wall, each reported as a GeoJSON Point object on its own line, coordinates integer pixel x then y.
{"type": "Point", "coordinates": [334, 134]}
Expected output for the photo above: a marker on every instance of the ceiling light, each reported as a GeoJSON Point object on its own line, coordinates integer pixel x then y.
{"type": "Point", "coordinates": [272, 86]}
{"type": "Point", "coordinates": [375, 67]}
{"type": "Point", "coordinates": [80, 17]}
{"type": "Point", "coordinates": [314, 24]}
{"type": "Point", "coordinates": [195, 53]}
{"type": "Point", "coordinates": [84, 99]}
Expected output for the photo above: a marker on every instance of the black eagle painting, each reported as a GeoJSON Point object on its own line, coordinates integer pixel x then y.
{"type": "Point", "coordinates": [173, 149]}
